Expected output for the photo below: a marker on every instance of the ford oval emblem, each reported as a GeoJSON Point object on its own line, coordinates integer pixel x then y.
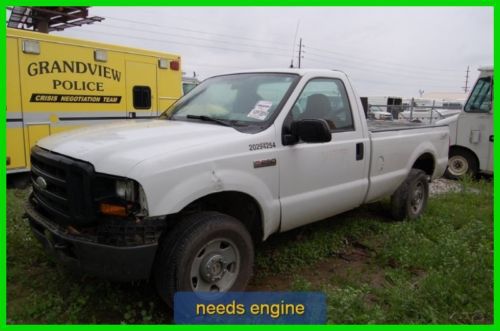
{"type": "Point", "coordinates": [40, 181]}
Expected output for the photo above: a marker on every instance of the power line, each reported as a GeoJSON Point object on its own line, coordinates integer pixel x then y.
{"type": "Point", "coordinates": [181, 43]}
{"type": "Point", "coordinates": [196, 31]}
{"type": "Point", "coordinates": [191, 20]}
{"type": "Point", "coordinates": [228, 49]}
{"type": "Point", "coordinates": [195, 38]}
{"type": "Point", "coordinates": [398, 84]}
{"type": "Point", "coordinates": [350, 58]}
{"type": "Point", "coordinates": [368, 68]}
{"type": "Point", "coordinates": [384, 67]}
{"type": "Point", "coordinates": [395, 84]}
{"type": "Point", "coordinates": [385, 62]}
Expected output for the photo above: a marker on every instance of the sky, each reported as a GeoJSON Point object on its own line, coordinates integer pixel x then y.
{"type": "Point", "coordinates": [385, 50]}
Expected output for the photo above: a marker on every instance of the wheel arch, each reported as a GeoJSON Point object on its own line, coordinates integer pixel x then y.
{"type": "Point", "coordinates": [425, 162]}
{"type": "Point", "coordinates": [239, 205]}
{"type": "Point", "coordinates": [463, 148]}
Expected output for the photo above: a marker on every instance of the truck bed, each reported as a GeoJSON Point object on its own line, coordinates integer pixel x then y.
{"type": "Point", "coordinates": [379, 126]}
{"type": "Point", "coordinates": [395, 145]}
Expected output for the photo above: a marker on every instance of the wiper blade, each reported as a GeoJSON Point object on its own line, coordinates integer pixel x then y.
{"type": "Point", "coordinates": [213, 119]}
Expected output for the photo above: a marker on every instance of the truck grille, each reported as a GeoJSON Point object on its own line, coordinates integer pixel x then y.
{"type": "Point", "coordinates": [62, 187]}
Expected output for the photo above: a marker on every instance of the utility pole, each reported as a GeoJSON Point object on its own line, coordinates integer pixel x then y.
{"type": "Point", "coordinates": [300, 50]}
{"type": "Point", "coordinates": [466, 80]}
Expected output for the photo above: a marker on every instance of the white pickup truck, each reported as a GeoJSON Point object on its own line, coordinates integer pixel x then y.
{"type": "Point", "coordinates": [182, 199]}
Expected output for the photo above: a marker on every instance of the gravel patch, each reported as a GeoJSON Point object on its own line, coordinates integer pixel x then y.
{"type": "Point", "coordinates": [442, 185]}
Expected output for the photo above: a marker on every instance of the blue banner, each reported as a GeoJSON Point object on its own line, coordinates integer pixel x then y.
{"type": "Point", "coordinates": [250, 308]}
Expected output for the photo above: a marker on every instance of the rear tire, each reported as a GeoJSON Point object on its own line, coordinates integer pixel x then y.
{"type": "Point", "coordinates": [410, 199]}
{"type": "Point", "coordinates": [461, 163]}
{"type": "Point", "coordinates": [207, 251]}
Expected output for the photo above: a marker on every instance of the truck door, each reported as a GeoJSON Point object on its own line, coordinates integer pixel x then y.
{"type": "Point", "coordinates": [141, 89]}
{"type": "Point", "coordinates": [318, 180]}
{"type": "Point", "coordinates": [475, 123]}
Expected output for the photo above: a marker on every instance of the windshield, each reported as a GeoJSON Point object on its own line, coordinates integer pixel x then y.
{"type": "Point", "coordinates": [244, 99]}
{"type": "Point", "coordinates": [480, 99]}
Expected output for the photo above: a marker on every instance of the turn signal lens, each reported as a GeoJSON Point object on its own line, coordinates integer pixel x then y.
{"type": "Point", "coordinates": [114, 210]}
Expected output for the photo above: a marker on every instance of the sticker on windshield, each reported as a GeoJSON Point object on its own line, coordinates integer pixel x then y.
{"type": "Point", "coordinates": [260, 110]}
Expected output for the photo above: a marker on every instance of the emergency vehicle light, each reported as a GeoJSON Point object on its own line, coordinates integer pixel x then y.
{"type": "Point", "coordinates": [163, 63]}
{"type": "Point", "coordinates": [174, 65]}
{"type": "Point", "coordinates": [31, 47]}
{"type": "Point", "coordinates": [100, 55]}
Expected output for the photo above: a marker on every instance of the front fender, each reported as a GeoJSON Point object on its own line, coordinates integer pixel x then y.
{"type": "Point", "coordinates": [172, 192]}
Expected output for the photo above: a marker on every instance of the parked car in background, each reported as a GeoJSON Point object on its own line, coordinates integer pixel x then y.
{"type": "Point", "coordinates": [391, 104]}
{"type": "Point", "coordinates": [378, 113]}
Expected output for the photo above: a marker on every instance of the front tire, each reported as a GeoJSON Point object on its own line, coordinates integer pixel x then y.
{"type": "Point", "coordinates": [206, 252]}
{"type": "Point", "coordinates": [410, 199]}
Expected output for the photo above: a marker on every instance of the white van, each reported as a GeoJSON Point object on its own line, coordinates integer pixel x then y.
{"type": "Point", "coordinates": [471, 134]}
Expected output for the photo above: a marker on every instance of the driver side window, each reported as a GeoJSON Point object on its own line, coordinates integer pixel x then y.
{"type": "Point", "coordinates": [324, 98]}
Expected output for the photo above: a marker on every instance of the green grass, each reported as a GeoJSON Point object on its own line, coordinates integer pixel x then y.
{"type": "Point", "coordinates": [438, 269]}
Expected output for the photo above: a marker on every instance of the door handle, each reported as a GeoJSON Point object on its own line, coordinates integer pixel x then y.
{"type": "Point", "coordinates": [360, 151]}
{"type": "Point", "coordinates": [491, 138]}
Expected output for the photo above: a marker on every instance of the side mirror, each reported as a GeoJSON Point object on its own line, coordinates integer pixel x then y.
{"type": "Point", "coordinates": [312, 130]}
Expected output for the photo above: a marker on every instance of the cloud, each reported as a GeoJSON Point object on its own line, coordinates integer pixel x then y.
{"type": "Point", "coordinates": [386, 50]}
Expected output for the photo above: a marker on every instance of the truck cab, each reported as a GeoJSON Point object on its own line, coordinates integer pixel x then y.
{"type": "Point", "coordinates": [471, 131]}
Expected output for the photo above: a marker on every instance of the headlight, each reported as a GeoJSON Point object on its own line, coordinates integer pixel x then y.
{"type": "Point", "coordinates": [142, 201]}
{"type": "Point", "coordinates": [120, 196]}
{"type": "Point", "coordinates": [125, 189]}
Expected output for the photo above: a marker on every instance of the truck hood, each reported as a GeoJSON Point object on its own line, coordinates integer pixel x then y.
{"type": "Point", "coordinates": [116, 148]}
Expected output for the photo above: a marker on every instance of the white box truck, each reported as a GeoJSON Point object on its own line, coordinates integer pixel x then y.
{"type": "Point", "coordinates": [471, 131]}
